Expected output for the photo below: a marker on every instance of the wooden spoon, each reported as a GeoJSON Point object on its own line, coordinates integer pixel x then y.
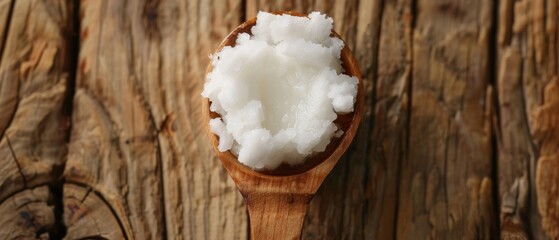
{"type": "Point", "coordinates": [277, 200]}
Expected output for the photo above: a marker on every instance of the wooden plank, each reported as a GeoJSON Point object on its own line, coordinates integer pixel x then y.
{"type": "Point", "coordinates": [87, 215]}
{"type": "Point", "coordinates": [446, 184]}
{"type": "Point", "coordinates": [529, 108]}
{"type": "Point", "coordinates": [138, 138]}
{"type": "Point", "coordinates": [27, 215]}
{"type": "Point", "coordinates": [514, 148]}
{"type": "Point", "coordinates": [5, 8]}
{"type": "Point", "coordinates": [337, 208]}
{"type": "Point", "coordinates": [33, 88]}
{"type": "Point", "coordinates": [388, 130]}
{"type": "Point", "coordinates": [358, 200]}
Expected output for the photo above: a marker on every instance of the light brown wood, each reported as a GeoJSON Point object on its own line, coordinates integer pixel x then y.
{"type": "Point", "coordinates": [5, 7]}
{"type": "Point", "coordinates": [514, 150]}
{"type": "Point", "coordinates": [276, 215]}
{"type": "Point", "coordinates": [27, 215]}
{"type": "Point", "coordinates": [277, 200]}
{"type": "Point", "coordinates": [88, 216]}
{"type": "Point", "coordinates": [33, 82]}
{"type": "Point", "coordinates": [34, 123]}
{"type": "Point", "coordinates": [140, 164]}
{"type": "Point", "coordinates": [137, 131]}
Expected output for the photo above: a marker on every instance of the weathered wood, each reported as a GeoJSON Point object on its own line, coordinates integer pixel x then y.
{"type": "Point", "coordinates": [528, 117]}
{"type": "Point", "coordinates": [33, 82]}
{"type": "Point", "coordinates": [137, 135]}
{"type": "Point", "coordinates": [88, 216]}
{"type": "Point", "coordinates": [140, 165]}
{"type": "Point", "coordinates": [27, 215]}
{"type": "Point", "coordinates": [446, 183]}
{"type": "Point", "coordinates": [514, 146]}
{"type": "Point", "coordinates": [388, 134]}
{"type": "Point", "coordinates": [5, 8]}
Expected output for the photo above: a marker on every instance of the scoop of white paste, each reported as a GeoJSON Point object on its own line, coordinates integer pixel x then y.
{"type": "Point", "coordinates": [279, 91]}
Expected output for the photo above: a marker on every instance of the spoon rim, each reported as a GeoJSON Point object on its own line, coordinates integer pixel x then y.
{"type": "Point", "coordinates": [231, 162]}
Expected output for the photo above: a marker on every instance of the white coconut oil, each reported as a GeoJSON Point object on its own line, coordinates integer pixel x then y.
{"type": "Point", "coordinates": [279, 90]}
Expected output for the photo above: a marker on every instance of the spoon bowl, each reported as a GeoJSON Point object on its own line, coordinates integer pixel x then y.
{"type": "Point", "coordinates": [277, 200]}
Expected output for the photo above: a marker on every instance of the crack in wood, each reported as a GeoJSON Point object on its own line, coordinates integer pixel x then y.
{"type": "Point", "coordinates": [89, 189]}
{"type": "Point", "coordinates": [20, 170]}
{"type": "Point", "coordinates": [15, 107]}
{"type": "Point", "coordinates": [105, 202]}
{"type": "Point", "coordinates": [411, 20]}
{"type": "Point", "coordinates": [495, 38]}
{"type": "Point", "coordinates": [162, 187]}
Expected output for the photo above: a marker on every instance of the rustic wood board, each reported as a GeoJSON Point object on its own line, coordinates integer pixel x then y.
{"type": "Point", "coordinates": [137, 135]}
{"type": "Point", "coordinates": [446, 188]}
{"type": "Point", "coordinates": [27, 215]}
{"type": "Point", "coordinates": [5, 7]}
{"type": "Point", "coordinates": [33, 81]}
{"type": "Point", "coordinates": [34, 123]}
{"type": "Point", "coordinates": [101, 131]}
{"type": "Point", "coordinates": [529, 110]}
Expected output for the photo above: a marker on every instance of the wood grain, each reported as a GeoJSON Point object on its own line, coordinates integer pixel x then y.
{"type": "Point", "coordinates": [6, 7]}
{"type": "Point", "coordinates": [529, 108]}
{"type": "Point", "coordinates": [88, 216]}
{"type": "Point", "coordinates": [446, 189]}
{"type": "Point", "coordinates": [387, 143]}
{"type": "Point", "coordinates": [33, 84]}
{"type": "Point", "coordinates": [137, 136]}
{"type": "Point", "coordinates": [27, 215]}
{"type": "Point", "coordinates": [139, 165]}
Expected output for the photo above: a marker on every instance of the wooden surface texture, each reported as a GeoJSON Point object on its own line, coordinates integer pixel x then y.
{"type": "Point", "coordinates": [102, 131]}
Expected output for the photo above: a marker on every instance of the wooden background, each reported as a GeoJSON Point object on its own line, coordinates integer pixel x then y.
{"type": "Point", "coordinates": [101, 132]}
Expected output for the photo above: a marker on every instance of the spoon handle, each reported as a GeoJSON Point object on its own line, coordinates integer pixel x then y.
{"type": "Point", "coordinates": [276, 215]}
